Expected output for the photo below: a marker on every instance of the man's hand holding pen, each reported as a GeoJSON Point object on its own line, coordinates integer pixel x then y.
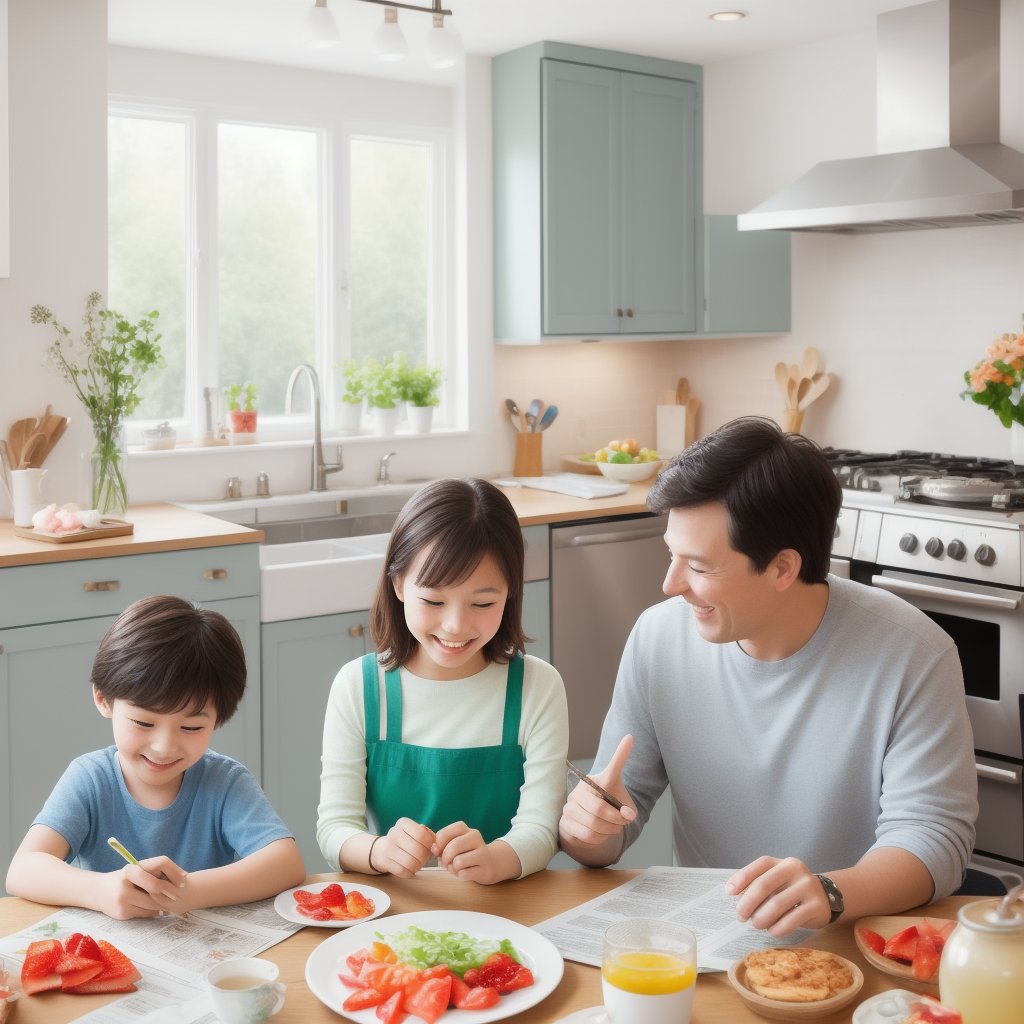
{"type": "Point", "coordinates": [589, 817]}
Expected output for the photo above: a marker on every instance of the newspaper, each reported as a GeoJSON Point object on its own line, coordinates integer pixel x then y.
{"type": "Point", "coordinates": [170, 952]}
{"type": "Point", "coordinates": [693, 897]}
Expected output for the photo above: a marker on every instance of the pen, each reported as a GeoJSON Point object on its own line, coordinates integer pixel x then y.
{"type": "Point", "coordinates": [605, 795]}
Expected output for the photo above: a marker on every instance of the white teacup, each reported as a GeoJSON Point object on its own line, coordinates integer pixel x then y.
{"type": "Point", "coordinates": [245, 990]}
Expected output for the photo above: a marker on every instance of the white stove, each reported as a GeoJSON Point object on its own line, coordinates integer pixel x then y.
{"type": "Point", "coordinates": [947, 534]}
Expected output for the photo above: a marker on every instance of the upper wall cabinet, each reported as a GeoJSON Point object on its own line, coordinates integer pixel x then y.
{"type": "Point", "coordinates": [598, 197]}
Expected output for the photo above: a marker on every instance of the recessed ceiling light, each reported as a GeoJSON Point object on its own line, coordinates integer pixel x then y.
{"type": "Point", "coordinates": [728, 16]}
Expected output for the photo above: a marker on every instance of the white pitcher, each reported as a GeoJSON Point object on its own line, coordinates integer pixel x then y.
{"type": "Point", "coordinates": [27, 494]}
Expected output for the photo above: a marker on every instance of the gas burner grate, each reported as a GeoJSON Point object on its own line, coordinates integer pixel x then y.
{"type": "Point", "coordinates": [908, 462]}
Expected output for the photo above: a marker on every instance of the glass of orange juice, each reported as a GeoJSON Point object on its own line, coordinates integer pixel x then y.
{"type": "Point", "coordinates": [648, 972]}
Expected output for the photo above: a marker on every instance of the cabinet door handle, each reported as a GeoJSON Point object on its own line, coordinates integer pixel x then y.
{"type": "Point", "coordinates": [95, 586]}
{"type": "Point", "coordinates": [618, 313]}
{"type": "Point", "coordinates": [629, 312]}
{"type": "Point", "coordinates": [354, 631]}
{"type": "Point", "coordinates": [215, 574]}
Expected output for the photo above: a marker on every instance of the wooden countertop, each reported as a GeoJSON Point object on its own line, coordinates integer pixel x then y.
{"type": "Point", "coordinates": [157, 528]}
{"type": "Point", "coordinates": [528, 901]}
{"type": "Point", "coordinates": [538, 507]}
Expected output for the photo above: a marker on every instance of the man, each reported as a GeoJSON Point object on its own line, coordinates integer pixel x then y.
{"type": "Point", "coordinates": [811, 728]}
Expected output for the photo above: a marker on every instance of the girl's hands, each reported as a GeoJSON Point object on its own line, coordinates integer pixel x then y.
{"type": "Point", "coordinates": [404, 850]}
{"type": "Point", "coordinates": [462, 852]}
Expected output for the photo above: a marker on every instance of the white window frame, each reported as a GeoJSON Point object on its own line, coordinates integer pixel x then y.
{"type": "Point", "coordinates": [332, 333]}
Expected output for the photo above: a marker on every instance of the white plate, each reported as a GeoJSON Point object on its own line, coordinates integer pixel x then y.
{"type": "Point", "coordinates": [885, 1008]}
{"type": "Point", "coordinates": [537, 953]}
{"type": "Point", "coordinates": [285, 904]}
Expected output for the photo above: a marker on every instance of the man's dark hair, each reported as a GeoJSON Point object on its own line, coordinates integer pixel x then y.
{"type": "Point", "coordinates": [166, 654]}
{"type": "Point", "coordinates": [778, 489]}
{"type": "Point", "coordinates": [460, 521]}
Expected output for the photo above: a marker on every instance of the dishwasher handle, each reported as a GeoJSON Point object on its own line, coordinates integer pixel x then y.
{"type": "Point", "coordinates": [581, 540]}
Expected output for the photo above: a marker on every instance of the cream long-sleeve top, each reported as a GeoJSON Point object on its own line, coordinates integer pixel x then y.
{"type": "Point", "coordinates": [450, 714]}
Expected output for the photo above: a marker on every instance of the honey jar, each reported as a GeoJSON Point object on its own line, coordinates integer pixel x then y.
{"type": "Point", "coordinates": [981, 973]}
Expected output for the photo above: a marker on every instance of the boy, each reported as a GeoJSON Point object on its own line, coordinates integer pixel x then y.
{"type": "Point", "coordinates": [167, 673]}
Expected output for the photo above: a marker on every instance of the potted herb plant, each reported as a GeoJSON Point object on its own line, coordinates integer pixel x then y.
{"type": "Point", "coordinates": [382, 393]}
{"type": "Point", "coordinates": [353, 391]}
{"type": "Point", "coordinates": [105, 366]}
{"type": "Point", "coordinates": [242, 412]}
{"type": "Point", "coordinates": [419, 387]}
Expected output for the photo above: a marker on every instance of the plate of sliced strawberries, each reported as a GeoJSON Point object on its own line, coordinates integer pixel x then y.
{"type": "Point", "coordinates": [905, 947]}
{"type": "Point", "coordinates": [80, 965]}
{"type": "Point", "coordinates": [332, 905]}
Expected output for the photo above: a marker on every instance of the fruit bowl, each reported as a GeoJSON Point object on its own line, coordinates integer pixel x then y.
{"type": "Point", "coordinates": [629, 472]}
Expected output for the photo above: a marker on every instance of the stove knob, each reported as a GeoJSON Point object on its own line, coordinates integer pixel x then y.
{"type": "Point", "coordinates": [985, 555]}
{"type": "Point", "coordinates": [957, 550]}
{"type": "Point", "coordinates": [908, 543]}
{"type": "Point", "coordinates": [934, 547]}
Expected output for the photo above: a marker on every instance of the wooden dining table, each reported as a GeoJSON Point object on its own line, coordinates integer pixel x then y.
{"type": "Point", "coordinates": [529, 901]}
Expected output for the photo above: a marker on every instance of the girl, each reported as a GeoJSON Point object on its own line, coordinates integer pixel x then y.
{"type": "Point", "coordinates": [450, 740]}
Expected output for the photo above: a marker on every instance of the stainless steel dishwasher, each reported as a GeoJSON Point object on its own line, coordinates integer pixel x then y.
{"type": "Point", "coordinates": [604, 573]}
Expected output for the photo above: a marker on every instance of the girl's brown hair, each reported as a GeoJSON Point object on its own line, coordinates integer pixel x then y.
{"type": "Point", "coordinates": [166, 654]}
{"type": "Point", "coordinates": [461, 521]}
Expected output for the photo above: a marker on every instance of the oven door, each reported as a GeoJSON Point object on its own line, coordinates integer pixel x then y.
{"type": "Point", "coordinates": [987, 624]}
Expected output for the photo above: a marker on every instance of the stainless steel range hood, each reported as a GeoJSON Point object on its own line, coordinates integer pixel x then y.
{"type": "Point", "coordinates": [939, 162]}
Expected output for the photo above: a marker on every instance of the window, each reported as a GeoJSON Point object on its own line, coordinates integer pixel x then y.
{"type": "Point", "coordinates": [228, 228]}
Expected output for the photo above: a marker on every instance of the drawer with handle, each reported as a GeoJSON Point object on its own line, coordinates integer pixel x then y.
{"type": "Point", "coordinates": [59, 591]}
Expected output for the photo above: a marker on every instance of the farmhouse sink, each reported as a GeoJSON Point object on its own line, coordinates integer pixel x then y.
{"type": "Point", "coordinates": [319, 577]}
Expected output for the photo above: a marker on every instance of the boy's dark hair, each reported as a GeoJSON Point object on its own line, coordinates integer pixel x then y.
{"type": "Point", "coordinates": [778, 489]}
{"type": "Point", "coordinates": [166, 654]}
{"type": "Point", "coordinates": [461, 521]}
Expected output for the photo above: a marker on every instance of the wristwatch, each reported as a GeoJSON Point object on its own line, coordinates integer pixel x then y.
{"type": "Point", "coordinates": [834, 896]}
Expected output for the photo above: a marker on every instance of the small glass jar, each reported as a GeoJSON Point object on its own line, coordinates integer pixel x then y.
{"type": "Point", "coordinates": [981, 973]}
{"type": "Point", "coordinates": [160, 437]}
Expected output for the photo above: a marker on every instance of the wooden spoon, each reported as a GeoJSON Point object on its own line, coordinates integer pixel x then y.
{"type": "Point", "coordinates": [52, 434]}
{"type": "Point", "coordinates": [819, 385]}
{"type": "Point", "coordinates": [20, 432]}
{"type": "Point", "coordinates": [682, 391]}
{"type": "Point", "coordinates": [690, 430]}
{"type": "Point", "coordinates": [28, 451]}
{"type": "Point", "coordinates": [811, 362]}
{"type": "Point", "coordinates": [782, 377]}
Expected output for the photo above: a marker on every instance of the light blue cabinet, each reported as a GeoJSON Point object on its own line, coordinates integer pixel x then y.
{"type": "Point", "coordinates": [54, 617]}
{"type": "Point", "coordinates": [599, 229]}
{"type": "Point", "coordinates": [597, 193]}
{"type": "Point", "coordinates": [301, 657]}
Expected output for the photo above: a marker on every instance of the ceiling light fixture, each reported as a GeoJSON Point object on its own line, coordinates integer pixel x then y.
{"type": "Point", "coordinates": [728, 15]}
{"type": "Point", "coordinates": [321, 29]}
{"type": "Point", "coordinates": [444, 47]}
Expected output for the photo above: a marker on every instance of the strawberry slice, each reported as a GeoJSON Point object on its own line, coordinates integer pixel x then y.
{"type": "Point", "coordinates": [71, 979]}
{"type": "Point", "coordinates": [83, 945]}
{"type": "Point", "coordinates": [871, 939]}
{"type": "Point", "coordinates": [926, 958]}
{"type": "Point", "coordinates": [332, 896]}
{"type": "Point", "coordinates": [305, 897]}
{"type": "Point", "coordinates": [103, 985]}
{"type": "Point", "coordinates": [465, 998]}
{"type": "Point", "coordinates": [117, 965]}
{"type": "Point", "coordinates": [902, 945]}
{"type": "Point", "coordinates": [38, 972]}
{"type": "Point", "coordinates": [358, 905]}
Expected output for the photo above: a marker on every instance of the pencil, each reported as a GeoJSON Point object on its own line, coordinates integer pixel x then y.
{"type": "Point", "coordinates": [118, 847]}
{"type": "Point", "coordinates": [605, 795]}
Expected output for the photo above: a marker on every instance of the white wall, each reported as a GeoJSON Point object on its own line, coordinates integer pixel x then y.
{"type": "Point", "coordinates": [58, 170]}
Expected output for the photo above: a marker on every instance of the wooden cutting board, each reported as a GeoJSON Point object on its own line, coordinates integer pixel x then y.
{"type": "Point", "coordinates": [107, 528]}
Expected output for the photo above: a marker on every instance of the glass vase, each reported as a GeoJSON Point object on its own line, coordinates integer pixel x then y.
{"type": "Point", "coordinates": [109, 488]}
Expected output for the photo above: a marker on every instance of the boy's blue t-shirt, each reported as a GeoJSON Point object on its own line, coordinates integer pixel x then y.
{"type": "Point", "coordinates": [220, 815]}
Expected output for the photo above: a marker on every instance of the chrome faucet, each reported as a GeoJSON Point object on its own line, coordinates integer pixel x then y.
{"type": "Point", "coordinates": [382, 474]}
{"type": "Point", "coordinates": [319, 468]}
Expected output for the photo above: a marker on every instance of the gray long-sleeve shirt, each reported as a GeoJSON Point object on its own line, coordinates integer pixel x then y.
{"type": "Point", "coordinates": [859, 740]}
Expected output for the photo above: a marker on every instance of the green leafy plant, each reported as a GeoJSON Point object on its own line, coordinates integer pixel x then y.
{"type": "Point", "coordinates": [105, 366]}
{"type": "Point", "coordinates": [381, 383]}
{"type": "Point", "coordinates": [420, 384]}
{"type": "Point", "coordinates": [241, 397]}
{"type": "Point", "coordinates": [354, 382]}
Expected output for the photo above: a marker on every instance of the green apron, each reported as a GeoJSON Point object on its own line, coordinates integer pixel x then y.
{"type": "Point", "coordinates": [438, 786]}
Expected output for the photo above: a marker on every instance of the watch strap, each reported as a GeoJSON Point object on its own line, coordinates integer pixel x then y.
{"type": "Point", "coordinates": [834, 897]}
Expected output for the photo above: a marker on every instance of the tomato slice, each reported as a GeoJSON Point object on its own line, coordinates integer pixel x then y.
{"type": "Point", "coordinates": [926, 958]}
{"type": "Point", "coordinates": [362, 999]}
{"type": "Point", "coordinates": [430, 999]}
{"type": "Point", "coordinates": [390, 1011]}
{"type": "Point", "coordinates": [466, 998]}
{"type": "Point", "coordinates": [358, 905]}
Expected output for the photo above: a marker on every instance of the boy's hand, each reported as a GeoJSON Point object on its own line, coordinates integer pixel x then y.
{"type": "Point", "coordinates": [147, 889]}
{"type": "Point", "coordinates": [404, 850]}
{"type": "Point", "coordinates": [461, 850]}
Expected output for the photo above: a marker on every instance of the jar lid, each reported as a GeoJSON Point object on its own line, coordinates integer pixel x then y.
{"type": "Point", "coordinates": [985, 915]}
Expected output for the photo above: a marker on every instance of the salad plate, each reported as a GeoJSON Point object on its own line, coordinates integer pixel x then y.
{"type": "Point", "coordinates": [284, 904]}
{"type": "Point", "coordinates": [536, 952]}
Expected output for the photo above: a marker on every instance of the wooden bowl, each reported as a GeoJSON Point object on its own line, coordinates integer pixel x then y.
{"type": "Point", "coordinates": [888, 927]}
{"type": "Point", "coordinates": [776, 1009]}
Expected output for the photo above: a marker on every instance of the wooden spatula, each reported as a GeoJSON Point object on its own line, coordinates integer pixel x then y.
{"type": "Point", "coordinates": [20, 432]}
{"type": "Point", "coordinates": [29, 449]}
{"type": "Point", "coordinates": [52, 428]}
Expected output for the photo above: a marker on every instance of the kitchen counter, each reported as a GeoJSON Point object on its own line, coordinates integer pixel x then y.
{"type": "Point", "coordinates": [539, 507]}
{"type": "Point", "coordinates": [157, 528]}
